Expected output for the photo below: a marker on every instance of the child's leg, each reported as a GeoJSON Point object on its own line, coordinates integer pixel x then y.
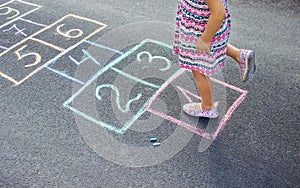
{"type": "Point", "coordinates": [205, 90]}
{"type": "Point", "coordinates": [233, 52]}
{"type": "Point", "coordinates": [245, 59]}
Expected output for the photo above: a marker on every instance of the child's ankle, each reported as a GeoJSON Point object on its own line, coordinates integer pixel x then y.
{"type": "Point", "coordinates": [206, 107]}
{"type": "Point", "coordinates": [237, 58]}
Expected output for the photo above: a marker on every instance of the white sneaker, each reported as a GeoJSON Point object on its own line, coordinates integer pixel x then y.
{"type": "Point", "coordinates": [247, 64]}
{"type": "Point", "coordinates": [195, 109]}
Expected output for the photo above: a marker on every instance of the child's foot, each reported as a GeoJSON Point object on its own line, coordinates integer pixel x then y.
{"type": "Point", "coordinates": [195, 109]}
{"type": "Point", "coordinates": [247, 64]}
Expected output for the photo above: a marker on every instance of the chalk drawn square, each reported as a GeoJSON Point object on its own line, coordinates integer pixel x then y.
{"type": "Point", "coordinates": [17, 31]}
{"type": "Point", "coordinates": [191, 127]}
{"type": "Point", "coordinates": [23, 61]}
{"type": "Point", "coordinates": [118, 72]}
{"type": "Point", "coordinates": [84, 61]}
{"type": "Point", "coordinates": [152, 58]}
{"type": "Point", "coordinates": [111, 110]}
{"type": "Point", "coordinates": [69, 34]}
{"type": "Point", "coordinates": [15, 9]}
{"type": "Point", "coordinates": [69, 31]}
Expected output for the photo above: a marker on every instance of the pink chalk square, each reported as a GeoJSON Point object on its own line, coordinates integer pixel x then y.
{"type": "Point", "coordinates": [187, 124]}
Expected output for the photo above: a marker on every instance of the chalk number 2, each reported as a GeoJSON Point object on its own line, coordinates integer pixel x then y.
{"type": "Point", "coordinates": [117, 92]}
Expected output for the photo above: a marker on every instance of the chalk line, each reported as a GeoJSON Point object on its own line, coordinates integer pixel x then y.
{"type": "Point", "coordinates": [117, 93]}
{"type": "Point", "coordinates": [48, 44]}
{"type": "Point", "coordinates": [191, 128]}
{"type": "Point", "coordinates": [79, 63]}
{"type": "Point", "coordinates": [32, 22]}
{"type": "Point", "coordinates": [135, 78]}
{"type": "Point", "coordinates": [15, 27]}
{"type": "Point", "coordinates": [229, 113]}
{"type": "Point", "coordinates": [27, 13]}
{"type": "Point", "coordinates": [63, 51]}
{"type": "Point", "coordinates": [104, 47]}
{"type": "Point", "coordinates": [89, 56]}
{"type": "Point", "coordinates": [3, 47]}
{"type": "Point", "coordinates": [142, 110]}
{"type": "Point", "coordinates": [186, 92]}
{"type": "Point", "coordinates": [104, 69]}
{"type": "Point", "coordinates": [65, 75]}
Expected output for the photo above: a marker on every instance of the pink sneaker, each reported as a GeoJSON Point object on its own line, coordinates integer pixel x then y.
{"type": "Point", "coordinates": [247, 64]}
{"type": "Point", "coordinates": [193, 109]}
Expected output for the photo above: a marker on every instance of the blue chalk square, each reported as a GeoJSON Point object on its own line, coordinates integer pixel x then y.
{"type": "Point", "coordinates": [113, 101]}
{"type": "Point", "coordinates": [83, 61]}
{"type": "Point", "coordinates": [114, 97]}
{"type": "Point", "coordinates": [148, 59]}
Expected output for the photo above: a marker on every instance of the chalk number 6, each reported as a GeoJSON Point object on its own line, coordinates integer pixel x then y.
{"type": "Point", "coordinates": [69, 33]}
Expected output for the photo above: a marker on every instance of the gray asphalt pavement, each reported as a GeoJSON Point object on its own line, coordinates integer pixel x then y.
{"type": "Point", "coordinates": [84, 85]}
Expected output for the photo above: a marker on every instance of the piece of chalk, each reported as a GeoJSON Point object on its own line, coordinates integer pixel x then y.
{"type": "Point", "coordinates": [153, 139]}
{"type": "Point", "coordinates": [156, 144]}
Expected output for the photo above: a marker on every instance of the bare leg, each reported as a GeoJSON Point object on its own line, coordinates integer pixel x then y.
{"type": "Point", "coordinates": [204, 84]}
{"type": "Point", "coordinates": [233, 52]}
{"type": "Point", "coordinates": [205, 90]}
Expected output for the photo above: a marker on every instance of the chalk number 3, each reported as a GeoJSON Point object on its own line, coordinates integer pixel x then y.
{"type": "Point", "coordinates": [151, 58]}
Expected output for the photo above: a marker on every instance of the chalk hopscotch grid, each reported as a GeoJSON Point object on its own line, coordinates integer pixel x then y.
{"type": "Point", "coordinates": [147, 105]}
{"type": "Point", "coordinates": [142, 110]}
{"type": "Point", "coordinates": [22, 15]}
{"type": "Point", "coordinates": [63, 51]}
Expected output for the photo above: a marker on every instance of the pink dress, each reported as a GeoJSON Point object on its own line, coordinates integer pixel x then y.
{"type": "Point", "coordinates": [191, 20]}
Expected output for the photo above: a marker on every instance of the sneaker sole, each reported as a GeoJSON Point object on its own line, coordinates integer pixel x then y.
{"type": "Point", "coordinates": [250, 67]}
{"type": "Point", "coordinates": [253, 68]}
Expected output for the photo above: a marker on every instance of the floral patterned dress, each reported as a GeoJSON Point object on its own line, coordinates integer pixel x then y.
{"type": "Point", "coordinates": [191, 20]}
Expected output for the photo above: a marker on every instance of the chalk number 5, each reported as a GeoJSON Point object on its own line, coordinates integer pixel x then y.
{"type": "Point", "coordinates": [21, 56]}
